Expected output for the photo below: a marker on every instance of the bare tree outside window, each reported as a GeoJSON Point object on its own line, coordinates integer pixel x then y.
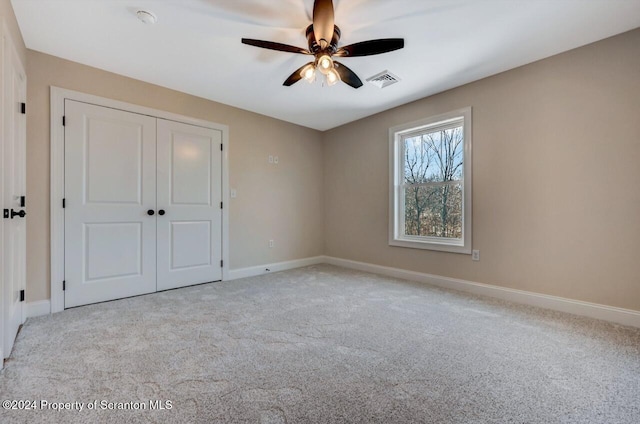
{"type": "Point", "coordinates": [433, 183]}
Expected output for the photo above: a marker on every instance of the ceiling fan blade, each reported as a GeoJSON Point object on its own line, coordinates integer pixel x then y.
{"type": "Point", "coordinates": [371, 47]}
{"type": "Point", "coordinates": [347, 75]}
{"type": "Point", "coordinates": [296, 76]}
{"type": "Point", "coordinates": [275, 46]}
{"type": "Point", "coordinates": [323, 21]}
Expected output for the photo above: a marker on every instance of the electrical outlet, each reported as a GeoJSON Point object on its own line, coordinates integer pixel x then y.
{"type": "Point", "coordinates": [276, 160]}
{"type": "Point", "coordinates": [270, 158]}
{"type": "Point", "coordinates": [270, 243]}
{"type": "Point", "coordinates": [475, 255]}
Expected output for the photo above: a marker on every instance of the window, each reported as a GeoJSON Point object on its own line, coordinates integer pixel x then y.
{"type": "Point", "coordinates": [430, 183]}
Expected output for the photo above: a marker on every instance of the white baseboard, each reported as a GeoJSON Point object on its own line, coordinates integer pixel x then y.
{"type": "Point", "coordinates": [576, 307]}
{"type": "Point", "coordinates": [234, 274]}
{"type": "Point", "coordinates": [593, 310]}
{"type": "Point", "coordinates": [39, 308]}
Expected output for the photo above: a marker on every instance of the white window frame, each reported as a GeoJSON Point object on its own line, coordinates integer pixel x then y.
{"type": "Point", "coordinates": [396, 178]}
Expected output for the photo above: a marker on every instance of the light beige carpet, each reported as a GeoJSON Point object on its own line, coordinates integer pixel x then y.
{"type": "Point", "coordinates": [323, 345]}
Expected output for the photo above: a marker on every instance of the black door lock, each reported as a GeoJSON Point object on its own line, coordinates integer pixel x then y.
{"type": "Point", "coordinates": [21, 214]}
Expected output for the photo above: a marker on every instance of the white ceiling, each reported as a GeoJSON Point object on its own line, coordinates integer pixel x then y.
{"type": "Point", "coordinates": [195, 46]}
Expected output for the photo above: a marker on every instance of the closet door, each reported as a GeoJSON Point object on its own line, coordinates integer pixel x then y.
{"type": "Point", "coordinates": [12, 168]}
{"type": "Point", "coordinates": [110, 192]}
{"type": "Point", "coordinates": [189, 205]}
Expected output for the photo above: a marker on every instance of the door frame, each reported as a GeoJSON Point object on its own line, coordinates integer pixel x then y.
{"type": "Point", "coordinates": [58, 96]}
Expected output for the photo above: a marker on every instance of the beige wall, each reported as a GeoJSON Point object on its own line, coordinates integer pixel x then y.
{"type": "Point", "coordinates": [281, 202]}
{"type": "Point", "coordinates": [556, 164]}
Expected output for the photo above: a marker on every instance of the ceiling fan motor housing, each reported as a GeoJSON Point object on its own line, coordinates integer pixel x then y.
{"type": "Point", "coordinates": [314, 46]}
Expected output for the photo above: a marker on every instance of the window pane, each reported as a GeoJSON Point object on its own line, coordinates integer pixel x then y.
{"type": "Point", "coordinates": [434, 156]}
{"type": "Point", "coordinates": [434, 211]}
{"type": "Point", "coordinates": [419, 163]}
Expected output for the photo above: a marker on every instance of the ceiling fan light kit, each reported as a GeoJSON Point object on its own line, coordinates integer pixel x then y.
{"type": "Point", "coordinates": [325, 64]}
{"type": "Point", "coordinates": [323, 36]}
{"type": "Point", "coordinates": [332, 77]}
{"type": "Point", "coordinates": [309, 73]}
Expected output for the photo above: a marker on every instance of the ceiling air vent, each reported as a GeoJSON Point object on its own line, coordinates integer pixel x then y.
{"type": "Point", "coordinates": [383, 79]}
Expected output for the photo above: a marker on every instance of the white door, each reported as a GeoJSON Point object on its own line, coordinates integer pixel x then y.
{"type": "Point", "coordinates": [189, 205]}
{"type": "Point", "coordinates": [110, 193]}
{"type": "Point", "coordinates": [14, 188]}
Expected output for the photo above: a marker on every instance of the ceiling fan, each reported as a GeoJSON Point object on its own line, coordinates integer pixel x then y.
{"type": "Point", "coordinates": [323, 36]}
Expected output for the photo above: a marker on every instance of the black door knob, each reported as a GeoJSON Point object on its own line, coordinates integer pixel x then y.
{"type": "Point", "coordinates": [21, 214]}
{"type": "Point", "coordinates": [161, 212]}
{"type": "Point", "coordinates": [150, 212]}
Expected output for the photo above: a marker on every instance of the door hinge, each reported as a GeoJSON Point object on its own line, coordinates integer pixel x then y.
{"type": "Point", "coordinates": [221, 263]}
{"type": "Point", "coordinates": [23, 108]}
{"type": "Point", "coordinates": [23, 201]}
{"type": "Point", "coordinates": [64, 203]}
{"type": "Point", "coordinates": [5, 213]}
{"type": "Point", "coordinates": [21, 295]}
{"type": "Point", "coordinates": [221, 205]}
{"type": "Point", "coordinates": [220, 146]}
{"type": "Point", "coordinates": [64, 121]}
{"type": "Point", "coordinates": [64, 285]}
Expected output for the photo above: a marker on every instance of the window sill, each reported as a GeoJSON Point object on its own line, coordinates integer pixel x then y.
{"type": "Point", "coordinates": [443, 246]}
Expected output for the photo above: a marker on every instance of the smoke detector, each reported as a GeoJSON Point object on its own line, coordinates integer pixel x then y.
{"type": "Point", "coordinates": [147, 17]}
{"type": "Point", "coordinates": [383, 79]}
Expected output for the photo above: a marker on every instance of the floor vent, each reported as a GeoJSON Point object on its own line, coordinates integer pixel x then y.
{"type": "Point", "coordinates": [383, 79]}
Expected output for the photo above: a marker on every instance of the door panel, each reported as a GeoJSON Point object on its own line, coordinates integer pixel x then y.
{"type": "Point", "coordinates": [14, 187]}
{"type": "Point", "coordinates": [112, 249]}
{"type": "Point", "coordinates": [189, 191]}
{"type": "Point", "coordinates": [196, 235]}
{"type": "Point", "coordinates": [109, 142]}
{"type": "Point", "coordinates": [191, 169]}
{"type": "Point", "coordinates": [110, 184]}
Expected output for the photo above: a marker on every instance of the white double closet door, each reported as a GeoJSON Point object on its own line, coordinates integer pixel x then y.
{"type": "Point", "coordinates": [142, 204]}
